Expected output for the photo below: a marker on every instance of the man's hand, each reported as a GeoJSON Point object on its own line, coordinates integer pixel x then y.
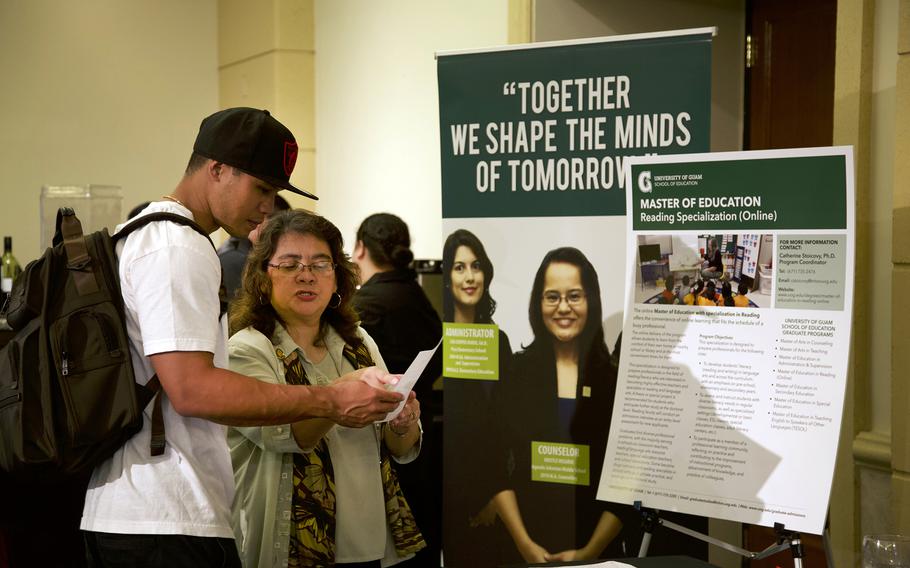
{"type": "Point", "coordinates": [373, 376]}
{"type": "Point", "coordinates": [360, 398]}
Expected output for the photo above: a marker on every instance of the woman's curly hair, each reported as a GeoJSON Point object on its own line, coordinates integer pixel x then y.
{"type": "Point", "coordinates": [253, 307]}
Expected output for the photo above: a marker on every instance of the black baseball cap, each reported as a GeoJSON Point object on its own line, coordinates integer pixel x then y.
{"type": "Point", "coordinates": [252, 141]}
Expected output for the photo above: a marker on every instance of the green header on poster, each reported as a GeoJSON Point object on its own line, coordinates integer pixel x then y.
{"type": "Point", "coordinates": [541, 132]}
{"type": "Point", "coordinates": [800, 192]}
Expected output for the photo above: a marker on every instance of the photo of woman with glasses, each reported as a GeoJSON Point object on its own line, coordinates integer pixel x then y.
{"type": "Point", "coordinates": [471, 437]}
{"type": "Point", "coordinates": [561, 392]}
{"type": "Point", "coordinates": [313, 493]}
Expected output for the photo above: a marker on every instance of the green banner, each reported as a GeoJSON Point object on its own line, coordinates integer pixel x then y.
{"type": "Point", "coordinates": [543, 132]}
{"type": "Point", "coordinates": [533, 141]}
{"type": "Point", "coordinates": [774, 193]}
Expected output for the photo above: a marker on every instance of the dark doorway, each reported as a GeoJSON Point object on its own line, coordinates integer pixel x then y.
{"type": "Point", "coordinates": [790, 74]}
{"type": "Point", "coordinates": [789, 104]}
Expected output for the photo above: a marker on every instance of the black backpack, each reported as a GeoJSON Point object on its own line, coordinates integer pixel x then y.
{"type": "Point", "coordinates": [68, 398]}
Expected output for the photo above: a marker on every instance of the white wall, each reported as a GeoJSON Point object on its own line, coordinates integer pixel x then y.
{"type": "Point", "coordinates": [377, 118]}
{"type": "Point", "coordinates": [570, 19]}
{"type": "Point", "coordinates": [99, 91]}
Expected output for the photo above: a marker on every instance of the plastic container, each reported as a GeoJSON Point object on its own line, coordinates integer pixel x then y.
{"type": "Point", "coordinates": [97, 206]}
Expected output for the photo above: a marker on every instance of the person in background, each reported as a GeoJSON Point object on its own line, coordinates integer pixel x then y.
{"type": "Point", "coordinates": [726, 295]}
{"type": "Point", "coordinates": [561, 392]}
{"type": "Point", "coordinates": [713, 265]}
{"type": "Point", "coordinates": [741, 300]}
{"type": "Point", "coordinates": [683, 290]}
{"type": "Point", "coordinates": [474, 461]}
{"type": "Point", "coordinates": [233, 252]}
{"type": "Point", "coordinates": [691, 298]}
{"type": "Point", "coordinates": [391, 304]}
{"type": "Point", "coordinates": [174, 509]}
{"type": "Point", "coordinates": [395, 311]}
{"type": "Point", "coordinates": [709, 296]}
{"type": "Point", "coordinates": [310, 493]}
{"type": "Point", "coordinates": [668, 296]}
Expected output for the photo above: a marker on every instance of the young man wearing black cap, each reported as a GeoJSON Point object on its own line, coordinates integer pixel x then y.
{"type": "Point", "coordinates": [174, 509]}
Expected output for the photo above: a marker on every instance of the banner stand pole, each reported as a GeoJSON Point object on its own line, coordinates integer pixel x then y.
{"type": "Point", "coordinates": [786, 539]}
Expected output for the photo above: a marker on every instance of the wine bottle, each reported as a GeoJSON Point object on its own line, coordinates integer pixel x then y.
{"type": "Point", "coordinates": [9, 269]}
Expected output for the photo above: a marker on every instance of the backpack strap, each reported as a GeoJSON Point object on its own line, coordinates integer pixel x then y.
{"type": "Point", "coordinates": [144, 220]}
{"type": "Point", "coordinates": [157, 441]}
{"type": "Point", "coordinates": [145, 394]}
{"type": "Point", "coordinates": [153, 386]}
{"type": "Point", "coordinates": [78, 261]}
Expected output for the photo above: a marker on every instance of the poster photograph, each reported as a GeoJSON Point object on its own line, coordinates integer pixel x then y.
{"type": "Point", "coordinates": [676, 270]}
{"type": "Point", "coordinates": [721, 409]}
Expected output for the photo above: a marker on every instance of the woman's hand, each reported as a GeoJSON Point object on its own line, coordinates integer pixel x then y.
{"type": "Point", "coordinates": [608, 527]}
{"type": "Point", "coordinates": [408, 416]}
{"type": "Point", "coordinates": [565, 556]}
{"type": "Point", "coordinates": [403, 431]}
{"type": "Point", "coordinates": [532, 552]}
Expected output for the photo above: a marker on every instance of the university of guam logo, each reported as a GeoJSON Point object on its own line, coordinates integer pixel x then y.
{"type": "Point", "coordinates": [644, 181]}
{"type": "Point", "coordinates": [290, 157]}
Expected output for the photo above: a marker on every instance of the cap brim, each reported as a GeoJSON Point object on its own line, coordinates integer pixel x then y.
{"type": "Point", "coordinates": [281, 184]}
{"type": "Point", "coordinates": [298, 191]}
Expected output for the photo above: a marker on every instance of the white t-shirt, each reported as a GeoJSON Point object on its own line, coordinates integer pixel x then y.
{"type": "Point", "coordinates": [169, 276]}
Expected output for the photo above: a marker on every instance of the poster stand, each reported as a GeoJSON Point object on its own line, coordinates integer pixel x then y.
{"type": "Point", "coordinates": [785, 538]}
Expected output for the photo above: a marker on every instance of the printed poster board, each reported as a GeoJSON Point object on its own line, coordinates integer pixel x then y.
{"type": "Point", "coordinates": [734, 411]}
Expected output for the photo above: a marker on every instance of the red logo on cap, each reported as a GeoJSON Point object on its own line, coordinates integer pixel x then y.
{"type": "Point", "coordinates": [290, 157]}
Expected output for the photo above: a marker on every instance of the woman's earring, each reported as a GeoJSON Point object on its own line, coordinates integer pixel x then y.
{"type": "Point", "coordinates": [336, 297]}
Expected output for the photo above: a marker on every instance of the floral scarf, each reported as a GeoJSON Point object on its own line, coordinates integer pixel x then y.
{"type": "Point", "coordinates": [312, 539]}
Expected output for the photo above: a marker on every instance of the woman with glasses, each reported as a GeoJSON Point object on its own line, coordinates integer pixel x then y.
{"type": "Point", "coordinates": [313, 493]}
{"type": "Point", "coordinates": [470, 424]}
{"type": "Point", "coordinates": [561, 403]}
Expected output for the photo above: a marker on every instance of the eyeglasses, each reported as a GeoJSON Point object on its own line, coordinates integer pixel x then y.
{"type": "Point", "coordinates": [293, 267]}
{"type": "Point", "coordinates": [572, 297]}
